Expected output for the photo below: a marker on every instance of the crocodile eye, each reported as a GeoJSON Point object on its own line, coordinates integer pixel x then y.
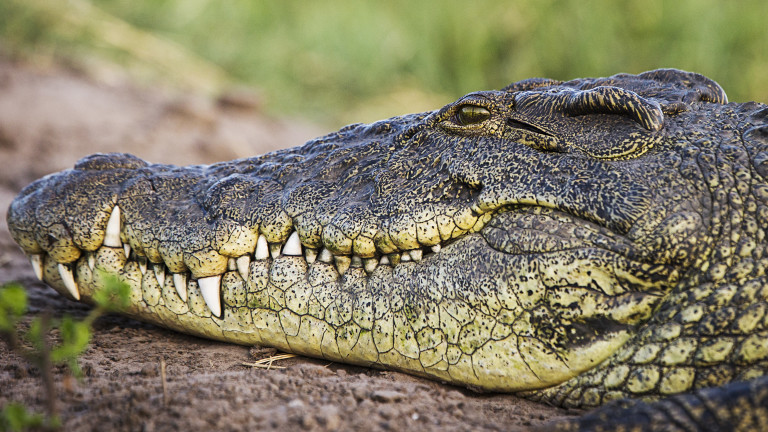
{"type": "Point", "coordinates": [472, 114]}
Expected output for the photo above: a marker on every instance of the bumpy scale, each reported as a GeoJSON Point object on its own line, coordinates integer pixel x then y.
{"type": "Point", "coordinates": [578, 242]}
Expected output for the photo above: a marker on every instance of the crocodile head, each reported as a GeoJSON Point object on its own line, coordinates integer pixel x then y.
{"type": "Point", "coordinates": [511, 240]}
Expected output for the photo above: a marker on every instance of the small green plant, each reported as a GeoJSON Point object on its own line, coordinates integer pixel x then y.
{"type": "Point", "coordinates": [36, 347]}
{"type": "Point", "coordinates": [16, 417]}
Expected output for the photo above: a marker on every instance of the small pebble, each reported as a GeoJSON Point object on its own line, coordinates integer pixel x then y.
{"type": "Point", "coordinates": [296, 403]}
{"type": "Point", "coordinates": [149, 371]}
{"type": "Point", "coordinates": [328, 416]}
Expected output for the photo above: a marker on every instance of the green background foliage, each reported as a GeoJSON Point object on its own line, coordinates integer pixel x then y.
{"type": "Point", "coordinates": [344, 60]}
{"type": "Point", "coordinates": [33, 342]}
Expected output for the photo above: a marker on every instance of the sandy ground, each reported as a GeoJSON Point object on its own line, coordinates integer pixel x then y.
{"type": "Point", "coordinates": [51, 117]}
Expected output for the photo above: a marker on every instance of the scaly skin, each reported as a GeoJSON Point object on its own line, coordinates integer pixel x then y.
{"type": "Point", "coordinates": [578, 242]}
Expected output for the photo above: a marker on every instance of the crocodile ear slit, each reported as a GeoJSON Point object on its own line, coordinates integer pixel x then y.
{"type": "Point", "coordinates": [615, 100]}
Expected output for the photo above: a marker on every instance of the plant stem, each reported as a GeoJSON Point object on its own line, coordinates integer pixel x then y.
{"type": "Point", "coordinates": [46, 369]}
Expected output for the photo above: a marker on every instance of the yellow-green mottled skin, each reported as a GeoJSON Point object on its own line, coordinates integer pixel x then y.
{"type": "Point", "coordinates": [577, 242]}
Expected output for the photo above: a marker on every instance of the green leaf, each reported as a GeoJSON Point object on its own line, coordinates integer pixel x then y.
{"type": "Point", "coordinates": [115, 296]}
{"type": "Point", "coordinates": [15, 417]}
{"type": "Point", "coordinates": [74, 340]}
{"type": "Point", "coordinates": [13, 304]}
{"type": "Point", "coordinates": [36, 334]}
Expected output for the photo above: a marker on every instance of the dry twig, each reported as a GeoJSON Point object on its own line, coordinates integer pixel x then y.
{"type": "Point", "coordinates": [266, 363]}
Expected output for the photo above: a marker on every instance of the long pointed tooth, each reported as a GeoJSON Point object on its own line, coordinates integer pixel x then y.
{"type": "Point", "coordinates": [180, 282]}
{"type": "Point", "coordinates": [325, 256]}
{"type": "Point", "coordinates": [310, 255]}
{"type": "Point", "coordinates": [69, 280]}
{"type": "Point", "coordinates": [91, 261]}
{"type": "Point", "coordinates": [262, 248]}
{"type": "Point", "coordinates": [342, 264]}
{"type": "Point", "coordinates": [370, 264]}
{"type": "Point", "coordinates": [292, 245]}
{"type": "Point", "coordinates": [384, 260]}
{"type": "Point", "coordinates": [159, 274]}
{"type": "Point", "coordinates": [231, 264]}
{"type": "Point", "coordinates": [127, 249]}
{"type": "Point", "coordinates": [436, 248]}
{"type": "Point", "coordinates": [210, 288]}
{"type": "Point", "coordinates": [143, 266]}
{"type": "Point", "coordinates": [37, 265]}
{"type": "Point", "coordinates": [416, 254]}
{"type": "Point", "coordinates": [112, 236]}
{"type": "Point", "coordinates": [274, 250]}
{"type": "Point", "coordinates": [243, 263]}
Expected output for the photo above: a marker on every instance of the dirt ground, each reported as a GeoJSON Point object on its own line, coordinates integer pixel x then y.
{"type": "Point", "coordinates": [52, 116]}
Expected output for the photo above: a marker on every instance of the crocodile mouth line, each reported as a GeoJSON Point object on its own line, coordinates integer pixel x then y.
{"type": "Point", "coordinates": [211, 286]}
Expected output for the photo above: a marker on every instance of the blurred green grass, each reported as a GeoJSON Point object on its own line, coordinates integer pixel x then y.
{"type": "Point", "coordinates": [350, 60]}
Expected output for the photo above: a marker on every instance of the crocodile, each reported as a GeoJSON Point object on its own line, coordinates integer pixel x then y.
{"type": "Point", "coordinates": [595, 242]}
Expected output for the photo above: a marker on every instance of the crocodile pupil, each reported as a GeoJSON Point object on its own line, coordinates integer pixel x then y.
{"type": "Point", "coordinates": [472, 114]}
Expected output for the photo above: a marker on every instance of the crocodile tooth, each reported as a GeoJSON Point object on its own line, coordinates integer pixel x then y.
{"type": "Point", "coordinates": [69, 280]}
{"type": "Point", "coordinates": [274, 250]}
{"type": "Point", "coordinates": [159, 274]}
{"type": "Point", "coordinates": [405, 257]}
{"type": "Point", "coordinates": [180, 282]}
{"type": "Point", "coordinates": [210, 288]}
{"type": "Point", "coordinates": [342, 264]}
{"type": "Point", "coordinates": [37, 265]}
{"type": "Point", "coordinates": [91, 261]}
{"type": "Point", "coordinates": [231, 264]}
{"type": "Point", "coordinates": [370, 264]}
{"type": "Point", "coordinates": [112, 236]}
{"type": "Point", "coordinates": [243, 263]}
{"type": "Point", "coordinates": [262, 249]}
{"type": "Point", "coordinates": [436, 248]}
{"type": "Point", "coordinates": [310, 255]}
{"type": "Point", "coordinates": [127, 250]}
{"type": "Point", "coordinates": [384, 260]}
{"type": "Point", "coordinates": [292, 245]}
{"type": "Point", "coordinates": [325, 256]}
{"type": "Point", "coordinates": [416, 254]}
{"type": "Point", "coordinates": [356, 262]}
{"type": "Point", "coordinates": [143, 266]}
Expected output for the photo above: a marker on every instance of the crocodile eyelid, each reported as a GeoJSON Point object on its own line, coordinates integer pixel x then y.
{"type": "Point", "coordinates": [466, 115]}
